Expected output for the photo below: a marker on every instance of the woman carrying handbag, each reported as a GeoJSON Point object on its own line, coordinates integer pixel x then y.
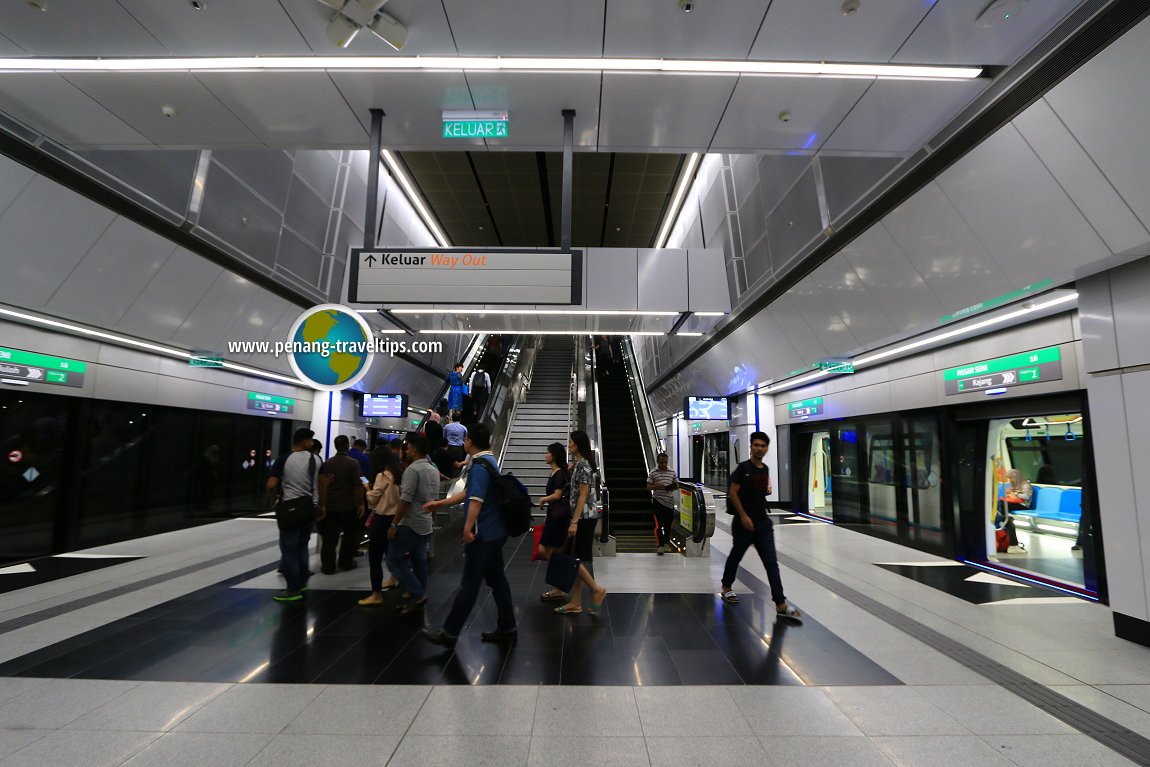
{"type": "Point", "coordinates": [558, 513]}
{"type": "Point", "coordinates": [584, 517]}
{"type": "Point", "coordinates": [382, 498]}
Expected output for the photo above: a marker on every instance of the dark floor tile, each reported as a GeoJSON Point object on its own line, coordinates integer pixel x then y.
{"type": "Point", "coordinates": [601, 667]}
{"type": "Point", "coordinates": [303, 665]}
{"type": "Point", "coordinates": [709, 667]}
{"type": "Point", "coordinates": [647, 663]}
{"type": "Point", "coordinates": [532, 667]}
{"type": "Point", "coordinates": [476, 662]}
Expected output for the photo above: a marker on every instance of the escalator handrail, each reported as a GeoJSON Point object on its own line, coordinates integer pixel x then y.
{"type": "Point", "coordinates": [477, 341]}
{"type": "Point", "coordinates": [521, 359]}
{"type": "Point", "coordinates": [604, 493]}
{"type": "Point", "coordinates": [652, 444]}
{"type": "Point", "coordinates": [499, 381]}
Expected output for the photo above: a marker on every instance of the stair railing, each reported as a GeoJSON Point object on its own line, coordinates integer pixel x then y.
{"type": "Point", "coordinates": [504, 417]}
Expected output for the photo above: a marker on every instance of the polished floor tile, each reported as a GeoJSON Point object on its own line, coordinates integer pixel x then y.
{"type": "Point", "coordinates": [53, 568]}
{"type": "Point", "coordinates": [201, 748]}
{"type": "Point", "coordinates": [941, 751]}
{"type": "Point", "coordinates": [828, 751]}
{"type": "Point", "coordinates": [79, 748]}
{"type": "Point", "coordinates": [580, 751]}
{"type": "Point", "coordinates": [706, 751]}
{"type": "Point", "coordinates": [461, 751]}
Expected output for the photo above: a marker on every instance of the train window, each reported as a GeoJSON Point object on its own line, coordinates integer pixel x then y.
{"type": "Point", "coordinates": [881, 462]}
{"type": "Point", "coordinates": [1048, 460]}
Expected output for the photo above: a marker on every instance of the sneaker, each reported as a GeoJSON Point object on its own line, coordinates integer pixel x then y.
{"type": "Point", "coordinates": [288, 596]}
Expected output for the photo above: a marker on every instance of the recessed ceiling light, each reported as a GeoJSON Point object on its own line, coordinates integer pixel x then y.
{"type": "Point", "coordinates": [1000, 12]}
{"type": "Point", "coordinates": [851, 7]}
{"type": "Point", "coordinates": [168, 110]}
{"type": "Point", "coordinates": [198, 5]}
{"type": "Point", "coordinates": [39, 5]}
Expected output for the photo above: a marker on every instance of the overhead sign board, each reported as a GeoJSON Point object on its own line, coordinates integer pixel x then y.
{"type": "Point", "coordinates": [41, 368]}
{"type": "Point", "coordinates": [463, 276]}
{"type": "Point", "coordinates": [837, 366]}
{"type": "Point", "coordinates": [991, 303]}
{"type": "Point", "coordinates": [805, 408]}
{"type": "Point", "coordinates": [269, 403]}
{"type": "Point", "coordinates": [475, 124]}
{"type": "Point", "coordinates": [707, 408]}
{"type": "Point", "coordinates": [206, 362]}
{"type": "Point", "coordinates": [1015, 370]}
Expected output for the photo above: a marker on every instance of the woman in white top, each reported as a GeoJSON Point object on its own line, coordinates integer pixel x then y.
{"type": "Point", "coordinates": [382, 498]}
{"type": "Point", "coordinates": [584, 517]}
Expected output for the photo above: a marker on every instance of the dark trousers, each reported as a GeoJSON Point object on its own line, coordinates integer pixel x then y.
{"type": "Point", "coordinates": [478, 400]}
{"type": "Point", "coordinates": [664, 518]}
{"type": "Point", "coordinates": [763, 539]}
{"type": "Point", "coordinates": [412, 575]}
{"type": "Point", "coordinates": [293, 555]}
{"type": "Point", "coordinates": [482, 562]}
{"type": "Point", "coordinates": [330, 527]}
{"type": "Point", "coordinates": [377, 548]}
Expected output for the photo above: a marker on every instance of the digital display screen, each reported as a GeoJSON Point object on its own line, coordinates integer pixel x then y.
{"type": "Point", "coordinates": [706, 409]}
{"type": "Point", "coordinates": [384, 405]}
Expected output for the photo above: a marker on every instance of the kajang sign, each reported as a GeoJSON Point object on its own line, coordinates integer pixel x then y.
{"type": "Point", "coordinates": [1015, 370]}
{"type": "Point", "coordinates": [492, 276]}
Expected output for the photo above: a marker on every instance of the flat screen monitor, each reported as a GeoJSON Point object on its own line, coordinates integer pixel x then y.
{"type": "Point", "coordinates": [706, 409]}
{"type": "Point", "coordinates": [384, 405]}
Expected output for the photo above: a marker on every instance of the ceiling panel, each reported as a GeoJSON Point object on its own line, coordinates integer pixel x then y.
{"type": "Point", "coordinates": [77, 28]}
{"type": "Point", "coordinates": [846, 294]}
{"type": "Point", "coordinates": [9, 48]}
{"type": "Point", "coordinates": [51, 105]}
{"type": "Point", "coordinates": [900, 115]}
{"type": "Point", "coordinates": [821, 317]}
{"type": "Point", "coordinates": [945, 250]}
{"type": "Point", "coordinates": [289, 109]}
{"type": "Point", "coordinates": [169, 298]}
{"type": "Point", "coordinates": [206, 328]}
{"type": "Point", "coordinates": [659, 29]}
{"type": "Point", "coordinates": [890, 278]}
{"type": "Point", "coordinates": [527, 27]}
{"type": "Point", "coordinates": [428, 31]}
{"type": "Point", "coordinates": [1041, 234]}
{"type": "Point", "coordinates": [817, 30]}
{"type": "Point", "coordinates": [652, 112]}
{"type": "Point", "coordinates": [950, 35]}
{"type": "Point", "coordinates": [247, 28]}
{"type": "Point", "coordinates": [814, 108]}
{"type": "Point", "coordinates": [113, 273]}
{"type": "Point", "coordinates": [137, 99]}
{"type": "Point", "coordinates": [413, 104]}
{"type": "Point", "coordinates": [800, 335]}
{"type": "Point", "coordinates": [535, 104]}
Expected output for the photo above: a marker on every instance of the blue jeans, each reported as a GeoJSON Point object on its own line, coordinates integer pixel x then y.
{"type": "Point", "coordinates": [412, 575]}
{"type": "Point", "coordinates": [377, 548]}
{"type": "Point", "coordinates": [294, 555]}
{"type": "Point", "coordinates": [482, 561]}
{"type": "Point", "coordinates": [763, 539]}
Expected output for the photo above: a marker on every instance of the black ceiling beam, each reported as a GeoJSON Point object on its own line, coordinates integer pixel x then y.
{"type": "Point", "coordinates": [545, 189]}
{"type": "Point", "coordinates": [607, 201]}
{"type": "Point", "coordinates": [483, 194]}
{"type": "Point", "coordinates": [1097, 27]}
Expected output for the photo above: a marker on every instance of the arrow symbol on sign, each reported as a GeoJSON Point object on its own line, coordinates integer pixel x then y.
{"type": "Point", "coordinates": [35, 373]}
{"type": "Point", "coordinates": [1008, 378]}
{"type": "Point", "coordinates": [370, 260]}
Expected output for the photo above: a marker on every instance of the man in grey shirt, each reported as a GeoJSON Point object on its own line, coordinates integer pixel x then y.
{"type": "Point", "coordinates": [411, 529]}
{"type": "Point", "coordinates": [299, 480]}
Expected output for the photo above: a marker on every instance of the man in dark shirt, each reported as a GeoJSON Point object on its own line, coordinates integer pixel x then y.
{"type": "Point", "coordinates": [357, 452]}
{"type": "Point", "coordinates": [750, 485]}
{"type": "Point", "coordinates": [341, 506]}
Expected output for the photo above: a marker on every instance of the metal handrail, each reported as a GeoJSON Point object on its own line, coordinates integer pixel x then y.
{"type": "Point", "coordinates": [502, 428]}
{"type": "Point", "coordinates": [604, 492]}
{"type": "Point", "coordinates": [653, 443]}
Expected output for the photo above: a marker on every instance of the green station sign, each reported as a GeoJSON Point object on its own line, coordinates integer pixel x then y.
{"type": "Point", "coordinates": [991, 303]}
{"type": "Point", "coordinates": [41, 368]}
{"type": "Point", "coordinates": [837, 366]}
{"type": "Point", "coordinates": [206, 362]}
{"type": "Point", "coordinates": [1015, 370]}
{"type": "Point", "coordinates": [475, 124]}
{"type": "Point", "coordinates": [805, 408]}
{"type": "Point", "coordinates": [269, 403]}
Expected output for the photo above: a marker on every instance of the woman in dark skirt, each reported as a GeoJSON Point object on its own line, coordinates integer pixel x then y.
{"type": "Point", "coordinates": [558, 512]}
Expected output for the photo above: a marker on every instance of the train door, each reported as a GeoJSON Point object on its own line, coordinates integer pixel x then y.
{"type": "Point", "coordinates": [811, 460]}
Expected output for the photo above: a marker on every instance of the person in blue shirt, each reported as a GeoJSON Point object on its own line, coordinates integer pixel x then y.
{"type": "Point", "coordinates": [455, 388]}
{"type": "Point", "coordinates": [484, 534]}
{"type": "Point", "coordinates": [357, 452]}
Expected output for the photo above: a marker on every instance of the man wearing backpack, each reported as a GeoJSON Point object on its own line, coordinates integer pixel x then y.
{"type": "Point", "coordinates": [480, 387]}
{"type": "Point", "coordinates": [484, 533]}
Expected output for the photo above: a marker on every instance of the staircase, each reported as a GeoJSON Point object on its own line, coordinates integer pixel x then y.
{"type": "Point", "coordinates": [626, 472]}
{"type": "Point", "coordinates": [543, 417]}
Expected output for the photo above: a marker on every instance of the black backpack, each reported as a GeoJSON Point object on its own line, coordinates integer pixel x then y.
{"type": "Point", "coordinates": [513, 499]}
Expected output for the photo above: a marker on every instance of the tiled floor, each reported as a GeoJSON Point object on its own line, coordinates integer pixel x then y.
{"type": "Point", "coordinates": [667, 676]}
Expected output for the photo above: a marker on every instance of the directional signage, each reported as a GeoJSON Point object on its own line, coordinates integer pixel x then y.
{"type": "Point", "coordinates": [990, 303]}
{"type": "Point", "coordinates": [1015, 370]}
{"type": "Point", "coordinates": [474, 124]}
{"type": "Point", "coordinates": [837, 366]}
{"type": "Point", "coordinates": [805, 408]}
{"type": "Point", "coordinates": [495, 276]}
{"type": "Point", "coordinates": [206, 362]}
{"type": "Point", "coordinates": [40, 368]}
{"type": "Point", "coordinates": [269, 403]}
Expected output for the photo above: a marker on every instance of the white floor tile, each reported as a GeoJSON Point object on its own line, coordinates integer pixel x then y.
{"type": "Point", "coordinates": [707, 751]}
{"type": "Point", "coordinates": [713, 711]}
{"type": "Point", "coordinates": [217, 749]}
{"type": "Point", "coordinates": [941, 751]}
{"type": "Point", "coordinates": [458, 751]}
{"type": "Point", "coordinates": [151, 707]}
{"type": "Point", "coordinates": [791, 711]}
{"type": "Point", "coordinates": [78, 748]}
{"type": "Point", "coordinates": [893, 711]}
{"type": "Point", "coordinates": [825, 751]}
{"type": "Point", "coordinates": [58, 702]}
{"type": "Point", "coordinates": [361, 710]}
{"type": "Point", "coordinates": [1055, 751]}
{"type": "Point", "coordinates": [584, 750]}
{"type": "Point", "coordinates": [993, 711]}
{"type": "Point", "coordinates": [313, 750]}
{"type": "Point", "coordinates": [252, 708]}
{"type": "Point", "coordinates": [477, 711]}
{"type": "Point", "coordinates": [603, 711]}
{"type": "Point", "coordinates": [12, 741]}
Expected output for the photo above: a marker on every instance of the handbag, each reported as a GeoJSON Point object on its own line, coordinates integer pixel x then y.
{"type": "Point", "coordinates": [562, 569]}
{"type": "Point", "coordinates": [537, 534]}
{"type": "Point", "coordinates": [300, 510]}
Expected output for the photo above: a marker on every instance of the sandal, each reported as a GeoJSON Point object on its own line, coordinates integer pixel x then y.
{"type": "Point", "coordinates": [415, 607]}
{"type": "Point", "coordinates": [552, 596]}
{"type": "Point", "coordinates": [389, 586]}
{"type": "Point", "coordinates": [790, 613]}
{"type": "Point", "coordinates": [566, 610]}
{"type": "Point", "coordinates": [730, 597]}
{"type": "Point", "coordinates": [597, 604]}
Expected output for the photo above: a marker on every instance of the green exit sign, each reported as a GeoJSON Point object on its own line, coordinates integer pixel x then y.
{"type": "Point", "coordinates": [473, 124]}
{"type": "Point", "coordinates": [206, 362]}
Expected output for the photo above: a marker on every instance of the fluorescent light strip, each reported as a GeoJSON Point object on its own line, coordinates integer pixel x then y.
{"type": "Point", "coordinates": [708, 314]}
{"type": "Point", "coordinates": [677, 200]}
{"type": "Point", "coordinates": [689, 335]}
{"type": "Point", "coordinates": [795, 382]}
{"type": "Point", "coordinates": [963, 330]}
{"type": "Point", "coordinates": [414, 198]}
{"type": "Point", "coordinates": [125, 341]}
{"type": "Point", "coordinates": [534, 312]}
{"type": "Point", "coordinates": [488, 64]}
{"type": "Point", "coordinates": [551, 332]}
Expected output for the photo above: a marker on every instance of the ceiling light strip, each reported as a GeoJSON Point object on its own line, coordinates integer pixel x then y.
{"type": "Point", "coordinates": [677, 201]}
{"type": "Point", "coordinates": [126, 341]}
{"type": "Point", "coordinates": [415, 198]}
{"type": "Point", "coordinates": [533, 312]}
{"type": "Point", "coordinates": [547, 332]}
{"type": "Point", "coordinates": [489, 64]}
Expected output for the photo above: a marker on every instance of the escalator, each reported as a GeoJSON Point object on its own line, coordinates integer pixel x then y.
{"type": "Point", "coordinates": [624, 455]}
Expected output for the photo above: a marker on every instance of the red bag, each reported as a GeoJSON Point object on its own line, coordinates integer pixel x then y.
{"type": "Point", "coordinates": [537, 534]}
{"type": "Point", "coordinates": [1001, 541]}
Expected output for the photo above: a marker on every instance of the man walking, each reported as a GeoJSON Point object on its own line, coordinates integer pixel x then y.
{"type": "Point", "coordinates": [750, 484]}
{"type": "Point", "coordinates": [484, 534]}
{"type": "Point", "coordinates": [412, 525]}
{"type": "Point", "coordinates": [480, 387]}
{"type": "Point", "coordinates": [298, 480]}
{"type": "Point", "coordinates": [661, 482]}
{"type": "Point", "coordinates": [342, 502]}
